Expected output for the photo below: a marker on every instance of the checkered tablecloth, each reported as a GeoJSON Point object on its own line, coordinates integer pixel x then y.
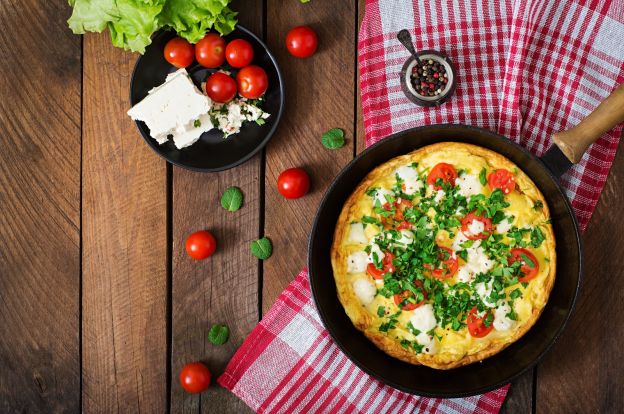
{"type": "Point", "coordinates": [526, 70]}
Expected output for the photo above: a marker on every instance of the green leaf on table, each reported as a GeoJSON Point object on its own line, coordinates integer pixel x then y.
{"type": "Point", "coordinates": [218, 334]}
{"type": "Point", "coordinates": [232, 199]}
{"type": "Point", "coordinates": [262, 248]}
{"type": "Point", "coordinates": [333, 139]}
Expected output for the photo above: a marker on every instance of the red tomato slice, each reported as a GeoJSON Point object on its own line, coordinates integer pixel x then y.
{"type": "Point", "coordinates": [502, 179]}
{"type": "Point", "coordinates": [445, 171]}
{"type": "Point", "coordinates": [408, 306]}
{"type": "Point", "coordinates": [529, 270]}
{"type": "Point", "coordinates": [476, 325]}
{"type": "Point", "coordinates": [404, 225]}
{"type": "Point", "coordinates": [449, 265]}
{"type": "Point", "coordinates": [487, 226]}
{"type": "Point", "coordinates": [388, 267]}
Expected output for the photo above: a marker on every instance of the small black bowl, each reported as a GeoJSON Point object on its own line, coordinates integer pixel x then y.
{"type": "Point", "coordinates": [211, 152]}
{"type": "Point", "coordinates": [413, 95]}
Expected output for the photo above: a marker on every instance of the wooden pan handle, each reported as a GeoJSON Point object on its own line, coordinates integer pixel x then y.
{"type": "Point", "coordinates": [574, 142]}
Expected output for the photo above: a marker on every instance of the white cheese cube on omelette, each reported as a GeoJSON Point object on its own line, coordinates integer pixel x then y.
{"type": "Point", "coordinates": [501, 320]}
{"type": "Point", "coordinates": [365, 290]}
{"type": "Point", "coordinates": [356, 234]}
{"type": "Point", "coordinates": [357, 262]}
{"type": "Point", "coordinates": [468, 185]}
{"type": "Point", "coordinates": [409, 176]}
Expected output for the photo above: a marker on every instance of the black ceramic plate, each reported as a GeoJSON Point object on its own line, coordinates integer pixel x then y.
{"type": "Point", "coordinates": [495, 371]}
{"type": "Point", "coordinates": [212, 152]}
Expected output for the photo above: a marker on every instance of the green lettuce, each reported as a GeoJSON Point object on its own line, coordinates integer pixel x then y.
{"type": "Point", "coordinates": [131, 23]}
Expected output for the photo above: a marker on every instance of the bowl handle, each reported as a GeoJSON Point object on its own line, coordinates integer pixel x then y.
{"type": "Point", "coordinates": [575, 141]}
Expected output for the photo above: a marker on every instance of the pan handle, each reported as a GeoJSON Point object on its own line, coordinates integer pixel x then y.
{"type": "Point", "coordinates": [575, 141]}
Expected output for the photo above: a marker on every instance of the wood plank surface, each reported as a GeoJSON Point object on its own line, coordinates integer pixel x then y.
{"type": "Point", "coordinates": [584, 371]}
{"type": "Point", "coordinates": [39, 209]}
{"type": "Point", "coordinates": [320, 95]}
{"type": "Point", "coordinates": [223, 288]}
{"type": "Point", "coordinates": [124, 245]}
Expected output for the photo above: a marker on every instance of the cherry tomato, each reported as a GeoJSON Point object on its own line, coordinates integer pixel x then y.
{"type": "Point", "coordinates": [448, 266]}
{"type": "Point", "coordinates": [477, 325]}
{"type": "Point", "coordinates": [210, 51]}
{"type": "Point", "coordinates": [201, 245]}
{"type": "Point", "coordinates": [388, 267]}
{"type": "Point", "coordinates": [252, 82]}
{"type": "Point", "coordinates": [444, 171]}
{"type": "Point", "coordinates": [502, 179]}
{"type": "Point", "coordinates": [530, 265]}
{"type": "Point", "coordinates": [408, 305]}
{"type": "Point", "coordinates": [179, 52]}
{"type": "Point", "coordinates": [487, 226]}
{"type": "Point", "coordinates": [400, 205]}
{"type": "Point", "coordinates": [301, 42]}
{"type": "Point", "coordinates": [239, 53]}
{"type": "Point", "coordinates": [404, 225]}
{"type": "Point", "coordinates": [195, 377]}
{"type": "Point", "coordinates": [293, 183]}
{"type": "Point", "coordinates": [220, 87]}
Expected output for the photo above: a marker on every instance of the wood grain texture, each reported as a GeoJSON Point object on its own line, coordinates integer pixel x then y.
{"type": "Point", "coordinates": [584, 372]}
{"type": "Point", "coordinates": [520, 395]}
{"type": "Point", "coordinates": [39, 209]}
{"type": "Point", "coordinates": [124, 245]}
{"type": "Point", "coordinates": [320, 95]}
{"type": "Point", "coordinates": [223, 288]}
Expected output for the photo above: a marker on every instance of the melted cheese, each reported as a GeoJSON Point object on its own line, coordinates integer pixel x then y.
{"type": "Point", "coordinates": [501, 321]}
{"type": "Point", "coordinates": [356, 234]}
{"type": "Point", "coordinates": [365, 290]}
{"type": "Point", "coordinates": [468, 185]}
{"type": "Point", "coordinates": [357, 262]}
{"type": "Point", "coordinates": [411, 182]}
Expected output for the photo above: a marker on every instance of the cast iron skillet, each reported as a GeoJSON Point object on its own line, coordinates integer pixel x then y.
{"type": "Point", "coordinates": [498, 370]}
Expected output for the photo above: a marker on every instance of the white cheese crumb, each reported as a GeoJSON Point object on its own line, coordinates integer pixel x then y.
{"type": "Point", "coordinates": [375, 249]}
{"type": "Point", "coordinates": [501, 321]}
{"type": "Point", "coordinates": [407, 238]}
{"type": "Point", "coordinates": [364, 290]}
{"type": "Point", "coordinates": [423, 318]}
{"type": "Point", "coordinates": [439, 195]}
{"type": "Point", "coordinates": [357, 262]}
{"type": "Point", "coordinates": [380, 196]}
{"type": "Point", "coordinates": [356, 234]}
{"type": "Point", "coordinates": [484, 291]}
{"type": "Point", "coordinates": [430, 345]}
{"type": "Point", "coordinates": [468, 185]}
{"type": "Point", "coordinates": [411, 183]}
{"type": "Point", "coordinates": [475, 227]}
{"type": "Point", "coordinates": [504, 226]}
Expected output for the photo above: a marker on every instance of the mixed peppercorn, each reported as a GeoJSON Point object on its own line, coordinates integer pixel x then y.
{"type": "Point", "coordinates": [429, 78]}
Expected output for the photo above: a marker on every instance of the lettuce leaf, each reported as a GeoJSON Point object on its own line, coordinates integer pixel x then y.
{"type": "Point", "coordinates": [131, 23]}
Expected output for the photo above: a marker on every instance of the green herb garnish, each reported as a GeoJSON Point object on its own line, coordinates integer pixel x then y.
{"type": "Point", "coordinates": [333, 139]}
{"type": "Point", "coordinates": [232, 199]}
{"type": "Point", "coordinates": [262, 248]}
{"type": "Point", "coordinates": [218, 334]}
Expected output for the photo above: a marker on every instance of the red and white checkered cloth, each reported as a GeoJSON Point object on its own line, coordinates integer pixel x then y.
{"type": "Point", "coordinates": [527, 69]}
{"type": "Point", "coordinates": [289, 364]}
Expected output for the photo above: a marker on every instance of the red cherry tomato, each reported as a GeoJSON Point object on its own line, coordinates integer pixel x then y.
{"type": "Point", "coordinates": [407, 304]}
{"type": "Point", "coordinates": [444, 171]}
{"type": "Point", "coordinates": [502, 179]}
{"type": "Point", "coordinates": [301, 42]}
{"type": "Point", "coordinates": [220, 87]}
{"type": "Point", "coordinates": [388, 267]}
{"type": "Point", "coordinates": [476, 325]}
{"type": "Point", "coordinates": [252, 82]}
{"type": "Point", "coordinates": [293, 183]}
{"type": "Point", "coordinates": [239, 53]}
{"type": "Point", "coordinates": [179, 52]}
{"type": "Point", "coordinates": [201, 245]}
{"type": "Point", "coordinates": [210, 51]}
{"type": "Point", "coordinates": [195, 377]}
{"type": "Point", "coordinates": [487, 226]}
{"type": "Point", "coordinates": [448, 266]}
{"type": "Point", "coordinates": [530, 265]}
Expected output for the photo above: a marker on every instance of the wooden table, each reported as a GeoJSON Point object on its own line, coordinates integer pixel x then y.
{"type": "Point", "coordinates": [100, 306]}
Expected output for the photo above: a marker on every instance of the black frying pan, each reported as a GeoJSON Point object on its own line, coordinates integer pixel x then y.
{"type": "Point", "coordinates": [502, 368]}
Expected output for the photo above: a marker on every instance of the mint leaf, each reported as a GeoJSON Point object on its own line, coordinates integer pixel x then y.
{"type": "Point", "coordinates": [333, 139]}
{"type": "Point", "coordinates": [218, 334]}
{"type": "Point", "coordinates": [262, 248]}
{"type": "Point", "coordinates": [232, 199]}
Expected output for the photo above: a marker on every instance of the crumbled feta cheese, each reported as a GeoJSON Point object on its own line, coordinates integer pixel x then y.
{"type": "Point", "coordinates": [380, 196]}
{"type": "Point", "coordinates": [468, 185]}
{"type": "Point", "coordinates": [504, 226]}
{"type": "Point", "coordinates": [356, 233]}
{"type": "Point", "coordinates": [430, 345]}
{"type": "Point", "coordinates": [439, 196]}
{"type": "Point", "coordinates": [477, 260]}
{"type": "Point", "coordinates": [364, 290]}
{"type": "Point", "coordinates": [406, 238]}
{"type": "Point", "coordinates": [501, 320]}
{"type": "Point", "coordinates": [357, 262]}
{"type": "Point", "coordinates": [184, 137]}
{"type": "Point", "coordinates": [375, 250]}
{"type": "Point", "coordinates": [484, 290]}
{"type": "Point", "coordinates": [411, 182]}
{"type": "Point", "coordinates": [475, 227]}
{"type": "Point", "coordinates": [423, 318]}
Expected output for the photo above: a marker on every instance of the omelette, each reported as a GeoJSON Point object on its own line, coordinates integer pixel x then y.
{"type": "Point", "coordinates": [444, 256]}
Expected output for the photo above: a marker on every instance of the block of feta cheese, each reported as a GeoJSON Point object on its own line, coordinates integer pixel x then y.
{"type": "Point", "coordinates": [174, 105]}
{"type": "Point", "coordinates": [190, 133]}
